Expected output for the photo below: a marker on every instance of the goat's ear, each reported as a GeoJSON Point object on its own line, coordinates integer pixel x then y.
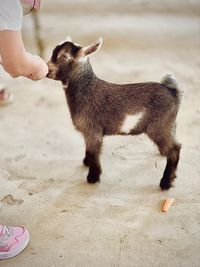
{"type": "Point", "coordinates": [85, 51]}
{"type": "Point", "coordinates": [68, 39]}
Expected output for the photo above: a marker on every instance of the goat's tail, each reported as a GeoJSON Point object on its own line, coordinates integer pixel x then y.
{"type": "Point", "coordinates": [170, 82]}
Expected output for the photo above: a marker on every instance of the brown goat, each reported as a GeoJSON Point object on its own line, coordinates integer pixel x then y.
{"type": "Point", "coordinates": [101, 108]}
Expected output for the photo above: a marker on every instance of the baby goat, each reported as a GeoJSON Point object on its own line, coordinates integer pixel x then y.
{"type": "Point", "coordinates": [101, 108]}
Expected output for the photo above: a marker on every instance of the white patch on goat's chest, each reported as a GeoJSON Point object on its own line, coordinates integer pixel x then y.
{"type": "Point", "coordinates": [130, 122]}
{"type": "Point", "coordinates": [65, 86]}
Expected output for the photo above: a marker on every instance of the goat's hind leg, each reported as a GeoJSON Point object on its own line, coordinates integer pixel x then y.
{"type": "Point", "coordinates": [93, 148]}
{"type": "Point", "coordinates": [169, 148]}
{"type": "Point", "coordinates": [170, 170]}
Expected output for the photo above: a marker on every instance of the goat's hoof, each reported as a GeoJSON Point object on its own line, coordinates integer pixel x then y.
{"type": "Point", "coordinates": [86, 162]}
{"type": "Point", "coordinates": [92, 179]}
{"type": "Point", "coordinates": [165, 185]}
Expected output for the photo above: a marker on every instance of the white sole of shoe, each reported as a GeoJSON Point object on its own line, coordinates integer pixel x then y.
{"type": "Point", "coordinates": [10, 254]}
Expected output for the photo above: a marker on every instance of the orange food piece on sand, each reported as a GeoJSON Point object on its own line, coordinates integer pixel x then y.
{"type": "Point", "coordinates": [166, 205]}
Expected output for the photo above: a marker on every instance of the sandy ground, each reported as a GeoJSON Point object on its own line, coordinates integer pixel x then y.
{"type": "Point", "coordinates": [42, 181]}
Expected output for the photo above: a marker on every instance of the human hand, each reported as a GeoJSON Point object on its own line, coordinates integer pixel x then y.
{"type": "Point", "coordinates": [41, 66]}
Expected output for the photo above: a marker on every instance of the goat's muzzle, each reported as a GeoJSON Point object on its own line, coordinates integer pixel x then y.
{"type": "Point", "coordinates": [49, 74]}
{"type": "Point", "coordinates": [52, 70]}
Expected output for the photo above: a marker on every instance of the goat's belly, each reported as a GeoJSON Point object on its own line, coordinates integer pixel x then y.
{"type": "Point", "coordinates": [130, 122]}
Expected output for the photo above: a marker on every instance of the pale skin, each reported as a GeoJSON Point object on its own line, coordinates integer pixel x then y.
{"type": "Point", "coordinates": [16, 61]}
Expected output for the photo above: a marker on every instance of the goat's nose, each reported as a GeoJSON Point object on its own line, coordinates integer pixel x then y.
{"type": "Point", "coordinates": [49, 74]}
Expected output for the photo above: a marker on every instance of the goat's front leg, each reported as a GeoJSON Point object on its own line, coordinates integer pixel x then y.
{"type": "Point", "coordinates": [86, 160]}
{"type": "Point", "coordinates": [93, 148]}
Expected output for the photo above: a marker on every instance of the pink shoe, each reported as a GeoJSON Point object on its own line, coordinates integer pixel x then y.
{"type": "Point", "coordinates": [12, 241]}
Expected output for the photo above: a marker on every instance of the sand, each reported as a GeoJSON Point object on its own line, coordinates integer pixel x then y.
{"type": "Point", "coordinates": [119, 221]}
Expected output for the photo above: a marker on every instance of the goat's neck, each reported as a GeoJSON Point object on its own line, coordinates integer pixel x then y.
{"type": "Point", "coordinates": [78, 87]}
{"type": "Point", "coordinates": [82, 76]}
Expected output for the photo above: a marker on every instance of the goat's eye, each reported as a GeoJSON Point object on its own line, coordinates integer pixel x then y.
{"type": "Point", "coordinates": [63, 56]}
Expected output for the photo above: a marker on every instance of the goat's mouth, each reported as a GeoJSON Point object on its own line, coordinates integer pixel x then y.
{"type": "Point", "coordinates": [50, 75]}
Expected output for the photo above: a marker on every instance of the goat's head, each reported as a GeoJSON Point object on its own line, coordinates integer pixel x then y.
{"type": "Point", "coordinates": [67, 56]}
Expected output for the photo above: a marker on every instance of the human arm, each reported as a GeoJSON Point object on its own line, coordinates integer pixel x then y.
{"type": "Point", "coordinates": [16, 61]}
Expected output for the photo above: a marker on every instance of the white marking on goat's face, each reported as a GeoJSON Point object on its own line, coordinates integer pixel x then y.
{"type": "Point", "coordinates": [64, 56]}
{"type": "Point", "coordinates": [60, 61]}
{"type": "Point", "coordinates": [130, 122]}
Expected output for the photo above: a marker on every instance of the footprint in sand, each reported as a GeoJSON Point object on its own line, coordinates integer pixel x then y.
{"type": "Point", "coordinates": [10, 200]}
{"type": "Point", "coordinates": [13, 175]}
{"type": "Point", "coordinates": [35, 187]}
{"type": "Point", "coordinates": [19, 157]}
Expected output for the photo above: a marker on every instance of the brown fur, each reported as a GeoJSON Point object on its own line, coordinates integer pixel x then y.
{"type": "Point", "coordinates": [100, 108]}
